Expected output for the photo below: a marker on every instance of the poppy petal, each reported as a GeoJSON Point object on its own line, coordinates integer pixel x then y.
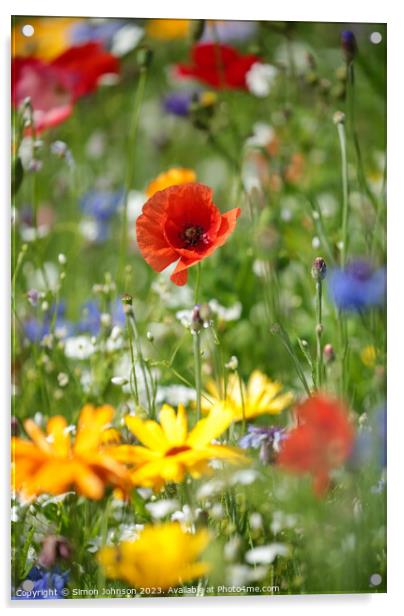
{"type": "Point", "coordinates": [150, 233]}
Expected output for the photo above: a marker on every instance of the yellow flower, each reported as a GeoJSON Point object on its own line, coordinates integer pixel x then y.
{"type": "Point", "coordinates": [162, 556]}
{"type": "Point", "coordinates": [51, 464]}
{"type": "Point", "coordinates": [170, 451]}
{"type": "Point", "coordinates": [172, 177]}
{"type": "Point", "coordinates": [168, 29]}
{"type": "Point", "coordinates": [50, 38]}
{"type": "Point", "coordinates": [368, 356]}
{"type": "Point", "coordinates": [261, 396]}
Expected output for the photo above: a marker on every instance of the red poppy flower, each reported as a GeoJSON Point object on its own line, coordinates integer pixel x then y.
{"type": "Point", "coordinates": [218, 66]}
{"type": "Point", "coordinates": [181, 223]}
{"type": "Point", "coordinates": [47, 86]}
{"type": "Point", "coordinates": [322, 440]}
{"type": "Point", "coordinates": [54, 87]}
{"type": "Point", "coordinates": [85, 64]}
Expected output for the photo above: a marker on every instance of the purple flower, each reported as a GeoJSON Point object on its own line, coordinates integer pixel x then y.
{"type": "Point", "coordinates": [229, 31]}
{"type": "Point", "coordinates": [101, 205]}
{"type": "Point", "coordinates": [358, 286]}
{"type": "Point", "coordinates": [102, 32]}
{"type": "Point", "coordinates": [44, 584]}
{"type": "Point", "coordinates": [91, 317]}
{"type": "Point", "coordinates": [348, 44]}
{"type": "Point", "coordinates": [267, 440]}
{"type": "Point", "coordinates": [35, 329]}
{"type": "Point", "coordinates": [178, 103]}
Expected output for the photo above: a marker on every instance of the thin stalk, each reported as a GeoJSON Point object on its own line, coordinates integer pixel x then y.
{"type": "Point", "coordinates": [197, 282]}
{"type": "Point", "coordinates": [141, 359]}
{"type": "Point", "coordinates": [198, 372]}
{"type": "Point", "coordinates": [130, 168]}
{"type": "Point", "coordinates": [278, 330]}
{"type": "Point", "coordinates": [132, 378]}
{"type": "Point", "coordinates": [319, 331]}
{"type": "Point", "coordinates": [345, 193]}
{"type": "Point", "coordinates": [240, 384]}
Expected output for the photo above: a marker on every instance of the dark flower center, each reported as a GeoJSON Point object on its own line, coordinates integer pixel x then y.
{"type": "Point", "coordinates": [174, 450]}
{"type": "Point", "coordinates": [192, 235]}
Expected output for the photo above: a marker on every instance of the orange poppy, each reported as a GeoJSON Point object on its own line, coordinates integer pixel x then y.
{"type": "Point", "coordinates": [181, 223]}
{"type": "Point", "coordinates": [322, 440]}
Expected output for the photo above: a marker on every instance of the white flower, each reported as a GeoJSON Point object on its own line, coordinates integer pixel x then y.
{"type": "Point", "coordinates": [238, 575]}
{"type": "Point", "coordinates": [226, 314]}
{"type": "Point", "coordinates": [209, 488]}
{"type": "Point", "coordinates": [159, 509]}
{"type": "Point", "coordinates": [126, 39]}
{"type": "Point", "coordinates": [184, 317]}
{"type": "Point", "coordinates": [231, 548]}
{"type": "Point", "coordinates": [262, 136]}
{"type": "Point", "coordinates": [119, 380]}
{"type": "Point", "coordinates": [266, 554]}
{"type": "Point", "coordinates": [79, 347]}
{"type": "Point", "coordinates": [260, 79]}
{"type": "Point", "coordinates": [244, 477]}
{"type": "Point", "coordinates": [175, 395]}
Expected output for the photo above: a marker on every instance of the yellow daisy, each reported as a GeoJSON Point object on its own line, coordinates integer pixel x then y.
{"type": "Point", "coordinates": [51, 36]}
{"type": "Point", "coordinates": [169, 450]}
{"type": "Point", "coordinates": [260, 396]}
{"type": "Point", "coordinates": [162, 556]}
{"type": "Point", "coordinates": [51, 464]}
{"type": "Point", "coordinates": [171, 177]}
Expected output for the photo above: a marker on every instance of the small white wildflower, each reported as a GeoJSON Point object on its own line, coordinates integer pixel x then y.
{"type": "Point", "coordinates": [105, 319]}
{"type": "Point", "coordinates": [226, 314]}
{"type": "Point", "coordinates": [266, 554]}
{"type": "Point", "coordinates": [119, 380]}
{"type": "Point", "coordinates": [232, 364]}
{"type": "Point", "coordinates": [260, 79]}
{"type": "Point", "coordinates": [238, 575]}
{"type": "Point", "coordinates": [79, 347]}
{"type": "Point", "coordinates": [263, 135]}
{"type": "Point", "coordinates": [63, 379]}
{"type": "Point", "coordinates": [244, 477]}
{"type": "Point", "coordinates": [127, 38]}
{"type": "Point", "coordinates": [115, 332]}
{"type": "Point", "coordinates": [161, 508]}
{"type": "Point", "coordinates": [231, 548]}
{"type": "Point", "coordinates": [210, 488]}
{"type": "Point", "coordinates": [256, 520]}
{"type": "Point", "coordinates": [315, 242]}
{"type": "Point", "coordinates": [62, 259]}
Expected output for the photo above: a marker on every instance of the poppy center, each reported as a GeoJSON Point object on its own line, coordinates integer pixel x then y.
{"type": "Point", "coordinates": [192, 235]}
{"type": "Point", "coordinates": [179, 449]}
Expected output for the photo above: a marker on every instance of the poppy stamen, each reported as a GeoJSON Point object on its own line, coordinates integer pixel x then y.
{"type": "Point", "coordinates": [192, 235]}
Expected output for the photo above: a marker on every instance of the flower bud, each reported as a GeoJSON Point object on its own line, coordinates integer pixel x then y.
{"type": "Point", "coordinates": [144, 57]}
{"type": "Point", "coordinates": [232, 364]}
{"type": "Point", "coordinates": [33, 297]}
{"type": "Point", "coordinates": [338, 117]}
{"type": "Point", "coordinates": [348, 45]}
{"type": "Point", "coordinates": [54, 547]}
{"type": "Point", "coordinates": [319, 269]}
{"type": "Point", "coordinates": [196, 319]}
{"type": "Point", "coordinates": [328, 353]}
{"type": "Point", "coordinates": [62, 259]}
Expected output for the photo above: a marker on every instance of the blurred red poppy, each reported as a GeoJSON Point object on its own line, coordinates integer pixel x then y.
{"type": "Point", "coordinates": [54, 87]}
{"type": "Point", "coordinates": [85, 64]}
{"type": "Point", "coordinates": [47, 86]}
{"type": "Point", "coordinates": [322, 440]}
{"type": "Point", "coordinates": [220, 66]}
{"type": "Point", "coordinates": [181, 223]}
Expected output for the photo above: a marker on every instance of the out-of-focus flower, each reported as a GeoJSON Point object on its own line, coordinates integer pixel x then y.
{"type": "Point", "coordinates": [91, 320]}
{"type": "Point", "coordinates": [266, 439]}
{"type": "Point", "coordinates": [54, 87]}
{"type": "Point", "coordinates": [260, 79]}
{"type": "Point", "coordinates": [51, 464]}
{"type": "Point", "coordinates": [322, 441]}
{"type": "Point", "coordinates": [79, 347]}
{"type": "Point", "coordinates": [259, 397]}
{"type": "Point", "coordinates": [84, 65]}
{"type": "Point", "coordinates": [182, 223]}
{"type": "Point", "coordinates": [358, 286]}
{"type": "Point", "coordinates": [125, 39]}
{"type": "Point", "coordinates": [168, 29]}
{"type": "Point", "coordinates": [169, 451]}
{"type": "Point", "coordinates": [100, 207]}
{"type": "Point", "coordinates": [99, 31]}
{"type": "Point", "coordinates": [161, 556]}
{"type": "Point", "coordinates": [220, 66]}
{"type": "Point", "coordinates": [36, 329]}
{"type": "Point", "coordinates": [178, 103]}
{"type": "Point", "coordinates": [371, 442]}
{"type": "Point", "coordinates": [45, 584]}
{"type": "Point", "coordinates": [368, 356]}
{"type": "Point", "coordinates": [53, 548]}
{"type": "Point", "coordinates": [348, 44]}
{"type": "Point", "coordinates": [319, 269]}
{"type": "Point", "coordinates": [48, 88]}
{"type": "Point", "coordinates": [51, 36]}
{"type": "Point", "coordinates": [227, 31]}
{"type": "Point", "coordinates": [175, 395]}
{"type": "Point", "coordinates": [266, 554]}
{"type": "Point", "coordinates": [264, 136]}
{"type": "Point", "coordinates": [171, 177]}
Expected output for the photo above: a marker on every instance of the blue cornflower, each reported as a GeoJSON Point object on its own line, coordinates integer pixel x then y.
{"type": "Point", "coordinates": [102, 32]}
{"type": "Point", "coordinates": [46, 584]}
{"type": "Point", "coordinates": [348, 44]}
{"type": "Point", "coordinates": [228, 31]}
{"type": "Point", "coordinates": [91, 320]}
{"type": "Point", "coordinates": [35, 329]}
{"type": "Point", "coordinates": [101, 204]}
{"type": "Point", "coordinates": [371, 442]}
{"type": "Point", "coordinates": [267, 440]}
{"type": "Point", "coordinates": [358, 286]}
{"type": "Point", "coordinates": [178, 103]}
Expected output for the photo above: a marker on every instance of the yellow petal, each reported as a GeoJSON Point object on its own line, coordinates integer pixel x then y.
{"type": "Point", "coordinates": [174, 425]}
{"type": "Point", "coordinates": [92, 422]}
{"type": "Point", "coordinates": [56, 428]}
{"type": "Point", "coordinates": [206, 430]}
{"type": "Point", "coordinates": [148, 432]}
{"type": "Point", "coordinates": [37, 436]}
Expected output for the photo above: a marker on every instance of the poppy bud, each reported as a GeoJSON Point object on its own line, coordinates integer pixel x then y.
{"type": "Point", "coordinates": [328, 353]}
{"type": "Point", "coordinates": [348, 45]}
{"type": "Point", "coordinates": [319, 269]}
{"type": "Point", "coordinates": [54, 547]}
{"type": "Point", "coordinates": [144, 57]}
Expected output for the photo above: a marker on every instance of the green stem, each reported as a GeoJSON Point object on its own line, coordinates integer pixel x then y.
{"type": "Point", "coordinates": [198, 372]}
{"type": "Point", "coordinates": [130, 168]}
{"type": "Point", "coordinates": [142, 362]}
{"type": "Point", "coordinates": [197, 282]}
{"type": "Point", "coordinates": [278, 330]}
{"type": "Point", "coordinates": [345, 194]}
{"type": "Point", "coordinates": [319, 331]}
